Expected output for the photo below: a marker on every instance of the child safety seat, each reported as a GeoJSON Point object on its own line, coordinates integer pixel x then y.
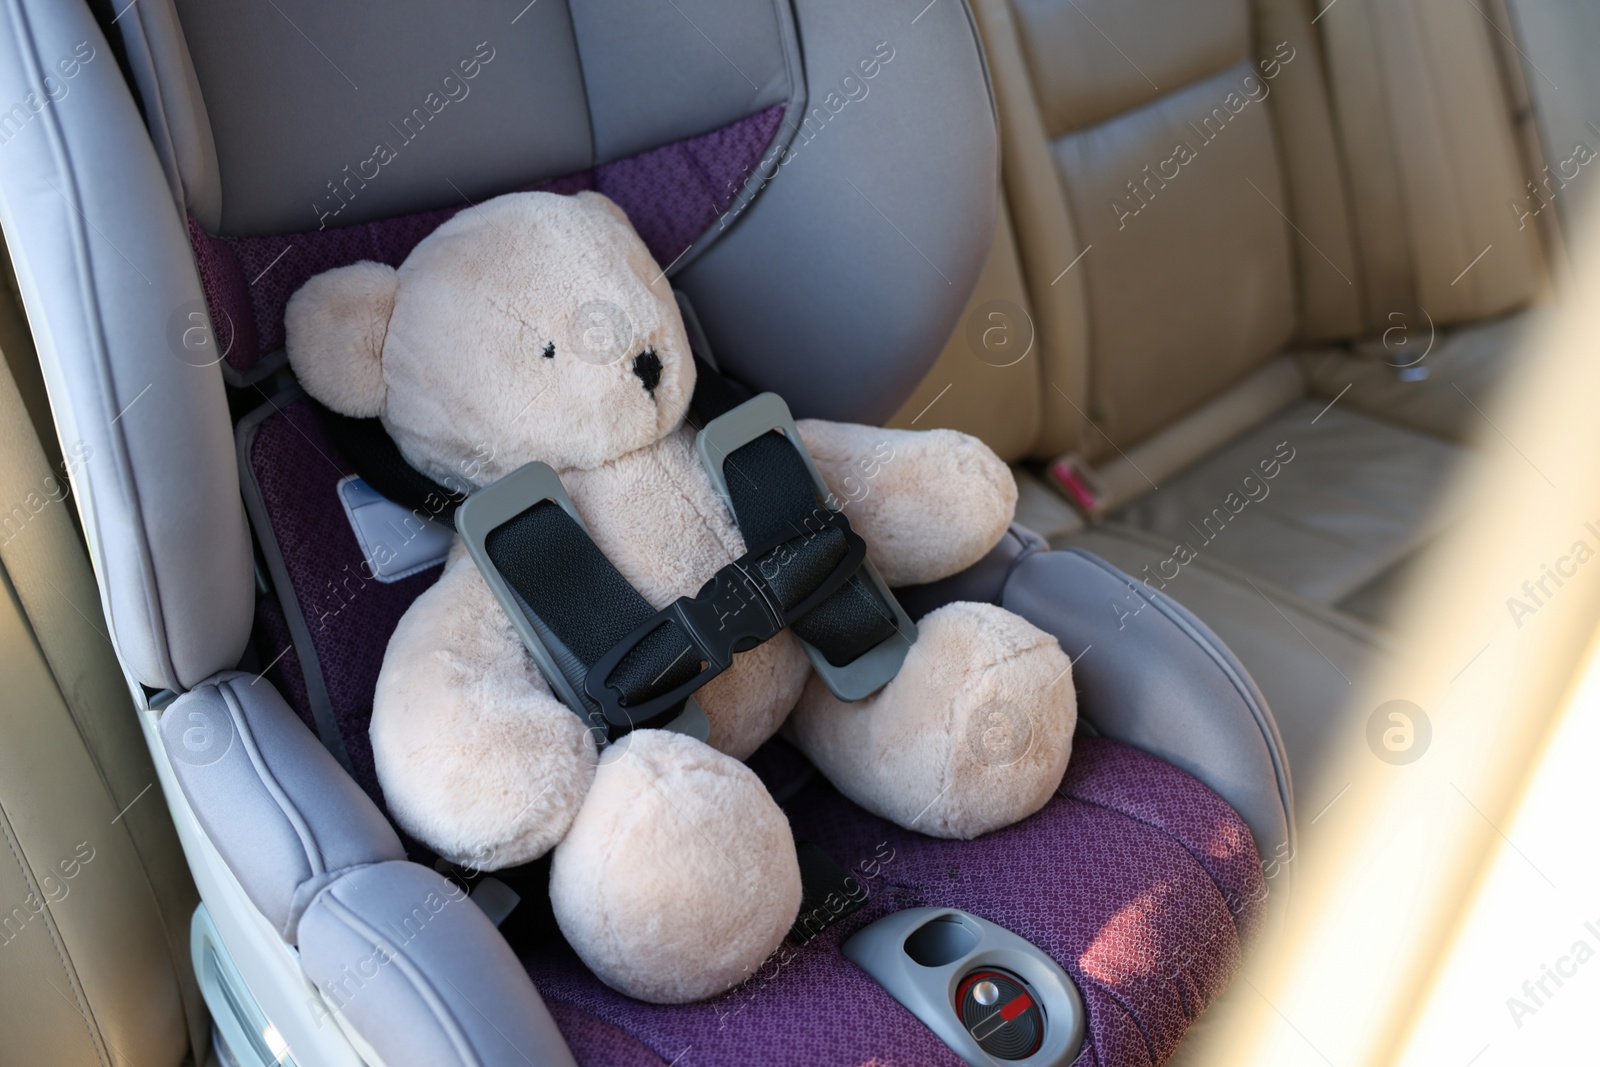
{"type": "Point", "coordinates": [819, 179]}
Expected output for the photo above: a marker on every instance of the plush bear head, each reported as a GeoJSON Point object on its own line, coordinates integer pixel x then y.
{"type": "Point", "coordinates": [530, 327]}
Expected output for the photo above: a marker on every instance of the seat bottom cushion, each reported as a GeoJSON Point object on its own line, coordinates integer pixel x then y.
{"type": "Point", "coordinates": [1453, 377]}
{"type": "Point", "coordinates": [1136, 878]}
{"type": "Point", "coordinates": [1319, 500]}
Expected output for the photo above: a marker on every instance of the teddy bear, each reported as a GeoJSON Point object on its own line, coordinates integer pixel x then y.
{"type": "Point", "coordinates": [674, 872]}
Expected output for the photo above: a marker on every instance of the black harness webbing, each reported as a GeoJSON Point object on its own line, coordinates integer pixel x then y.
{"type": "Point", "coordinates": [773, 500]}
{"type": "Point", "coordinates": [634, 666]}
{"type": "Point", "coordinates": [770, 490]}
{"type": "Point", "coordinates": [375, 456]}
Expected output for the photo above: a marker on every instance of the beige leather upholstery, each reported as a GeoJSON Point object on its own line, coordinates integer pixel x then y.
{"type": "Point", "coordinates": [986, 381]}
{"type": "Point", "coordinates": [1464, 369]}
{"type": "Point", "coordinates": [1201, 242]}
{"type": "Point", "coordinates": [1047, 240]}
{"type": "Point", "coordinates": [1269, 389]}
{"type": "Point", "coordinates": [1428, 146]}
{"type": "Point", "coordinates": [1083, 73]}
{"type": "Point", "coordinates": [1199, 187]}
{"type": "Point", "coordinates": [1189, 199]}
{"type": "Point", "coordinates": [1531, 117]}
{"type": "Point", "coordinates": [1183, 156]}
{"type": "Point", "coordinates": [1318, 500]}
{"type": "Point", "coordinates": [95, 897]}
{"type": "Point", "coordinates": [1324, 243]}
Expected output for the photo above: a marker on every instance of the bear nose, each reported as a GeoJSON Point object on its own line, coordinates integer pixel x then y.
{"type": "Point", "coordinates": [647, 365]}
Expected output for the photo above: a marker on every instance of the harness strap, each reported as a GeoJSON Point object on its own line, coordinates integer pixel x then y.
{"type": "Point", "coordinates": [375, 456]}
{"type": "Point", "coordinates": [769, 489]}
{"type": "Point", "coordinates": [563, 578]}
{"type": "Point", "coordinates": [773, 501]}
{"type": "Point", "coordinates": [630, 665]}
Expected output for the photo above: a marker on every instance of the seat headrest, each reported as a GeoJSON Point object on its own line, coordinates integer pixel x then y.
{"type": "Point", "coordinates": [330, 114]}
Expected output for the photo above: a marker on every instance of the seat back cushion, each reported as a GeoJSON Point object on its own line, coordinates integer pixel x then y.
{"type": "Point", "coordinates": [289, 123]}
{"type": "Point", "coordinates": [327, 115]}
{"type": "Point", "coordinates": [1435, 174]}
{"type": "Point", "coordinates": [1170, 165]}
{"type": "Point", "coordinates": [673, 194]}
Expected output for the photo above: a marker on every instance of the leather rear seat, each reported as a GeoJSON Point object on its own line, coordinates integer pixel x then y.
{"type": "Point", "coordinates": [1197, 188]}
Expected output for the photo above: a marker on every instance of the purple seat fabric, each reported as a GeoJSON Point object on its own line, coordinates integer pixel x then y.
{"type": "Point", "coordinates": [601, 1042]}
{"type": "Point", "coordinates": [349, 615]}
{"type": "Point", "coordinates": [1136, 878]}
{"type": "Point", "coordinates": [672, 194]}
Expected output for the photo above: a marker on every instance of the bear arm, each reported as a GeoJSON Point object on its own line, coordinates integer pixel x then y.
{"type": "Point", "coordinates": [929, 503]}
{"type": "Point", "coordinates": [477, 759]}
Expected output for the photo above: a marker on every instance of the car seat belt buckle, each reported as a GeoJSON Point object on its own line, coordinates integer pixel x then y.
{"type": "Point", "coordinates": [731, 431]}
{"type": "Point", "coordinates": [733, 612]}
{"type": "Point", "coordinates": [1077, 481]}
{"type": "Point", "coordinates": [497, 504]}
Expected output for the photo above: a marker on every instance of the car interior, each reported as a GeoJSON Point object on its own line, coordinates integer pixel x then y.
{"type": "Point", "coordinates": [1237, 289]}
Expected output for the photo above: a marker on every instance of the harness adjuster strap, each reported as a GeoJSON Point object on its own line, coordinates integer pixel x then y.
{"type": "Point", "coordinates": [733, 612]}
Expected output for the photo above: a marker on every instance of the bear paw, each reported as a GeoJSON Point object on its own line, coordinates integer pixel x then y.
{"type": "Point", "coordinates": [973, 734]}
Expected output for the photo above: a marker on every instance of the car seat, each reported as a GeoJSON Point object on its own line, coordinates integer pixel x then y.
{"type": "Point", "coordinates": [819, 180]}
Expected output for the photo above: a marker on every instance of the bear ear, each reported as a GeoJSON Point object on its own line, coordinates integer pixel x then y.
{"type": "Point", "coordinates": [334, 328]}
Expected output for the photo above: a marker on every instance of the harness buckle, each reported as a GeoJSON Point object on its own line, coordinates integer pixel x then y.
{"type": "Point", "coordinates": [735, 611]}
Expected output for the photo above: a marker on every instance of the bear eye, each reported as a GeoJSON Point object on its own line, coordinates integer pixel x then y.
{"type": "Point", "coordinates": [549, 350]}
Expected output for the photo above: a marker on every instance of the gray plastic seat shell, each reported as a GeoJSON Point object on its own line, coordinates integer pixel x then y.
{"type": "Point", "coordinates": [927, 987]}
{"type": "Point", "coordinates": [422, 974]}
{"type": "Point", "coordinates": [278, 808]}
{"type": "Point", "coordinates": [106, 276]}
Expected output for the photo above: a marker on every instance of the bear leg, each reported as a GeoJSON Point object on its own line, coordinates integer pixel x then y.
{"type": "Point", "coordinates": [678, 877]}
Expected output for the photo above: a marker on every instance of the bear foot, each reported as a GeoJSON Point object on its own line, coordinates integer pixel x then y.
{"type": "Point", "coordinates": [678, 877]}
{"type": "Point", "coordinates": [973, 734]}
